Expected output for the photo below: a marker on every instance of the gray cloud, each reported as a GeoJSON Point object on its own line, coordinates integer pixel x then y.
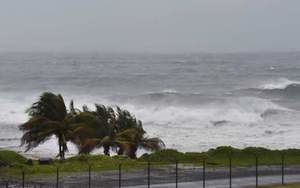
{"type": "Point", "coordinates": [150, 25]}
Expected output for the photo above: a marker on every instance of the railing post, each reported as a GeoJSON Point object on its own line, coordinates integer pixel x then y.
{"type": "Point", "coordinates": [203, 172]}
{"type": "Point", "coordinates": [120, 175]}
{"type": "Point", "coordinates": [23, 179]}
{"type": "Point", "coordinates": [148, 174]}
{"type": "Point", "coordinates": [57, 178]}
{"type": "Point", "coordinates": [256, 171]}
{"type": "Point", "coordinates": [282, 169]}
{"type": "Point", "coordinates": [176, 173]}
{"type": "Point", "coordinates": [230, 171]}
{"type": "Point", "coordinates": [89, 176]}
{"type": "Point", "coordinates": [6, 184]}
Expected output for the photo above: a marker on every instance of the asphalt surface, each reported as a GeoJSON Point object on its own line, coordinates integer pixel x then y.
{"type": "Point", "coordinates": [188, 177]}
{"type": "Point", "coordinates": [245, 182]}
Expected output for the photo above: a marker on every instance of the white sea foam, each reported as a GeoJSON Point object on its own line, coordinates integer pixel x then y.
{"type": "Point", "coordinates": [171, 91]}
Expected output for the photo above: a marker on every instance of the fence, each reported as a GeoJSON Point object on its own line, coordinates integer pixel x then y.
{"type": "Point", "coordinates": [173, 174]}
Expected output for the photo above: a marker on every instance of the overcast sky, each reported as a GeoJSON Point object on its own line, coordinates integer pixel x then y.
{"type": "Point", "coordinates": [150, 25]}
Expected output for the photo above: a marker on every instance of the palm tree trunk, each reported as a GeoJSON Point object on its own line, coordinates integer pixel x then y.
{"type": "Point", "coordinates": [59, 145]}
{"type": "Point", "coordinates": [106, 150]}
{"type": "Point", "coordinates": [120, 151]}
{"type": "Point", "coordinates": [132, 153]}
{"type": "Point", "coordinates": [62, 152]}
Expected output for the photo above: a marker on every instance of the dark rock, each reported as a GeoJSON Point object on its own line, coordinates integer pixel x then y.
{"type": "Point", "coordinates": [145, 155]}
{"type": "Point", "coordinates": [29, 162]}
{"type": "Point", "coordinates": [2, 164]}
{"type": "Point", "coordinates": [45, 161]}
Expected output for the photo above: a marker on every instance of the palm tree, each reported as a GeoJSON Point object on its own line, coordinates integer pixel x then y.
{"type": "Point", "coordinates": [106, 142]}
{"type": "Point", "coordinates": [131, 135]}
{"type": "Point", "coordinates": [132, 140]}
{"type": "Point", "coordinates": [48, 117]}
{"type": "Point", "coordinates": [101, 133]}
{"type": "Point", "coordinates": [86, 128]}
{"type": "Point", "coordinates": [124, 133]}
{"type": "Point", "coordinates": [115, 138]}
{"type": "Point", "coordinates": [108, 118]}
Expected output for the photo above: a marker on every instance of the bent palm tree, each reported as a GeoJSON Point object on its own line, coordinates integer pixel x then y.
{"type": "Point", "coordinates": [135, 140]}
{"type": "Point", "coordinates": [127, 141]}
{"type": "Point", "coordinates": [123, 133]}
{"type": "Point", "coordinates": [115, 126]}
{"type": "Point", "coordinates": [102, 129]}
{"type": "Point", "coordinates": [48, 117]}
{"type": "Point", "coordinates": [86, 126]}
{"type": "Point", "coordinates": [131, 133]}
{"type": "Point", "coordinates": [108, 118]}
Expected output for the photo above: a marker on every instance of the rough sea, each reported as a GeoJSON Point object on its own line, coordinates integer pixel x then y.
{"type": "Point", "coordinates": [192, 101]}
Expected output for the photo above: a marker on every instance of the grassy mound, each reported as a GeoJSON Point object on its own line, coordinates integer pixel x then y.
{"type": "Point", "coordinates": [171, 155]}
{"type": "Point", "coordinates": [11, 158]}
{"type": "Point", "coordinates": [220, 156]}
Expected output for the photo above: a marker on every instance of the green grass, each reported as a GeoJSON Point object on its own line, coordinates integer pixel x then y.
{"type": "Point", "coordinates": [220, 156]}
{"type": "Point", "coordinates": [15, 163]}
{"type": "Point", "coordinates": [10, 158]}
{"type": "Point", "coordinates": [72, 165]}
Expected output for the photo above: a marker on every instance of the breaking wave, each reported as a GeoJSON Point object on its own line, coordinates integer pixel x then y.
{"type": "Point", "coordinates": [244, 110]}
{"type": "Point", "coordinates": [292, 90]}
{"type": "Point", "coordinates": [171, 108]}
{"type": "Point", "coordinates": [280, 84]}
{"type": "Point", "coordinates": [279, 88]}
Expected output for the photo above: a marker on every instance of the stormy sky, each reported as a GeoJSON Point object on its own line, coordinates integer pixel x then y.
{"type": "Point", "coordinates": [150, 25]}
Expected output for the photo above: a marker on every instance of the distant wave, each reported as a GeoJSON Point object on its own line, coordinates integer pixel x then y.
{"type": "Point", "coordinates": [170, 91]}
{"type": "Point", "coordinates": [280, 84]}
{"type": "Point", "coordinates": [9, 139]}
{"type": "Point", "coordinates": [292, 90]}
{"type": "Point", "coordinates": [279, 88]}
{"type": "Point", "coordinates": [165, 97]}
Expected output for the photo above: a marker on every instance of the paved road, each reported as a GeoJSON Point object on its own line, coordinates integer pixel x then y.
{"type": "Point", "coordinates": [189, 177]}
{"type": "Point", "coordinates": [246, 182]}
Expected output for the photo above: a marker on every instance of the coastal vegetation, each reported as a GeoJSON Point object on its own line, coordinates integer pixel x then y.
{"type": "Point", "coordinates": [113, 129]}
{"type": "Point", "coordinates": [13, 164]}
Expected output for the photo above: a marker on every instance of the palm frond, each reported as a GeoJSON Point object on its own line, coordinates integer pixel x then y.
{"type": "Point", "coordinates": [152, 144]}
{"type": "Point", "coordinates": [37, 131]}
{"type": "Point", "coordinates": [50, 106]}
{"type": "Point", "coordinates": [125, 120]}
{"type": "Point", "coordinates": [90, 145]}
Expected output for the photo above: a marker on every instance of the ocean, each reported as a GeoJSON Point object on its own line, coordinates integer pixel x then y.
{"type": "Point", "coordinates": [192, 101]}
